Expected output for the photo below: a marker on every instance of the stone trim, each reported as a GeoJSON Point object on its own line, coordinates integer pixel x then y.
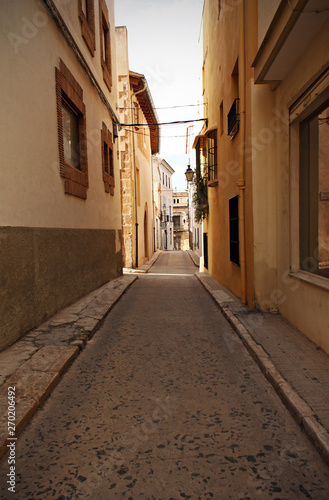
{"type": "Point", "coordinates": [69, 91]}
{"type": "Point", "coordinates": [88, 24]}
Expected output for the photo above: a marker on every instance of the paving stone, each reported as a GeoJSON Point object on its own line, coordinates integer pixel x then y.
{"type": "Point", "coordinates": [299, 371]}
{"type": "Point", "coordinates": [11, 359]}
{"type": "Point", "coordinates": [88, 324]}
{"type": "Point", "coordinates": [51, 359]}
{"type": "Point", "coordinates": [63, 318]}
{"type": "Point", "coordinates": [31, 384]}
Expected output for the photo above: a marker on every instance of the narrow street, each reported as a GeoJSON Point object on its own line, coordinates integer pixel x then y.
{"type": "Point", "coordinates": [165, 403]}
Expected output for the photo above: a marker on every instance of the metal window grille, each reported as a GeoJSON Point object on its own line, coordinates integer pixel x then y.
{"type": "Point", "coordinates": [233, 119]}
{"type": "Point", "coordinates": [234, 230]}
{"type": "Point", "coordinates": [212, 155]}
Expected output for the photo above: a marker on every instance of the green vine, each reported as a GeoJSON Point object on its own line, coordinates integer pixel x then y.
{"type": "Point", "coordinates": [200, 198]}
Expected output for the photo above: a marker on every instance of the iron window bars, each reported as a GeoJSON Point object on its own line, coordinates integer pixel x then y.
{"type": "Point", "coordinates": [233, 119]}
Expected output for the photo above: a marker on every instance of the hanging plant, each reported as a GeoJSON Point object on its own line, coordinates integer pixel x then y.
{"type": "Point", "coordinates": [200, 197]}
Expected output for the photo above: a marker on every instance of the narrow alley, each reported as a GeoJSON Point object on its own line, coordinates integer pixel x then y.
{"type": "Point", "coordinates": [165, 403]}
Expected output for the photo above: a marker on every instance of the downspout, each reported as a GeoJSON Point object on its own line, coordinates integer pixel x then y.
{"type": "Point", "coordinates": [135, 170]}
{"type": "Point", "coordinates": [241, 181]}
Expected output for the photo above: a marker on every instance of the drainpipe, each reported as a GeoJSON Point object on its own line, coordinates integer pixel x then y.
{"type": "Point", "coordinates": [135, 170]}
{"type": "Point", "coordinates": [241, 181]}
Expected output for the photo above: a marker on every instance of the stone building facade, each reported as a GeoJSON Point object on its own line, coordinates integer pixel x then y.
{"type": "Point", "coordinates": [164, 232]}
{"type": "Point", "coordinates": [181, 220]}
{"type": "Point", "coordinates": [139, 140]}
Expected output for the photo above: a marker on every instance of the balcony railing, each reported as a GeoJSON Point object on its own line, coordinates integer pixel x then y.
{"type": "Point", "coordinates": [233, 119]}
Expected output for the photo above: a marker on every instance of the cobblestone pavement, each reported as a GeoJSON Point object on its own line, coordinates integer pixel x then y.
{"type": "Point", "coordinates": [165, 403]}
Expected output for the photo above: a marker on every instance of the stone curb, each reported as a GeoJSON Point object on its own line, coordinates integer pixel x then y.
{"type": "Point", "coordinates": [145, 267]}
{"type": "Point", "coordinates": [299, 409]}
{"type": "Point", "coordinates": [194, 258]}
{"type": "Point", "coordinates": [39, 360]}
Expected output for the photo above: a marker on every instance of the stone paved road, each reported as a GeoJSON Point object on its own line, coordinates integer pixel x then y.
{"type": "Point", "coordinates": [165, 403]}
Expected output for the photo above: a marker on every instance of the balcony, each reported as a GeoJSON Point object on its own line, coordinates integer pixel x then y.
{"type": "Point", "coordinates": [233, 119]}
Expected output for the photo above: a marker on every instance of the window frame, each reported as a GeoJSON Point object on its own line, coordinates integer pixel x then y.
{"type": "Point", "coordinates": [88, 24]}
{"type": "Point", "coordinates": [107, 160]}
{"type": "Point", "coordinates": [212, 167]}
{"type": "Point", "coordinates": [106, 59]}
{"type": "Point", "coordinates": [309, 194]}
{"type": "Point", "coordinates": [311, 99]}
{"type": "Point", "coordinates": [234, 230]}
{"type": "Point", "coordinates": [69, 92]}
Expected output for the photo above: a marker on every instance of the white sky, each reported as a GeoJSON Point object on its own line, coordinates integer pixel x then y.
{"type": "Point", "coordinates": [163, 45]}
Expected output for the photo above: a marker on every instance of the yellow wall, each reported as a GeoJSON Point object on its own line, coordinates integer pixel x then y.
{"type": "Point", "coordinates": [222, 84]}
{"type": "Point", "coordinates": [303, 303]}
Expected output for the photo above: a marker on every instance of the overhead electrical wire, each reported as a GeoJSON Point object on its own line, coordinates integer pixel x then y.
{"type": "Point", "coordinates": [162, 136]}
{"type": "Point", "coordinates": [171, 107]}
{"type": "Point", "coordinates": [160, 124]}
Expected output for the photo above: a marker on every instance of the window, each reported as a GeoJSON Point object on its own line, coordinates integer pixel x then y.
{"type": "Point", "coordinates": [221, 118]}
{"type": "Point", "coordinates": [70, 135]}
{"type": "Point", "coordinates": [72, 140]}
{"type": "Point", "coordinates": [212, 155]}
{"type": "Point", "coordinates": [233, 119]}
{"type": "Point", "coordinates": [87, 19]}
{"type": "Point", "coordinates": [314, 192]}
{"type": "Point", "coordinates": [163, 178]}
{"type": "Point", "coordinates": [234, 229]}
{"type": "Point", "coordinates": [105, 43]}
{"type": "Point", "coordinates": [166, 181]}
{"type": "Point", "coordinates": [169, 182]}
{"type": "Point", "coordinates": [107, 160]}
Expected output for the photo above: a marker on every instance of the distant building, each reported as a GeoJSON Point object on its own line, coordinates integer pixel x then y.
{"type": "Point", "coordinates": [181, 220]}
{"type": "Point", "coordinates": [138, 142]}
{"type": "Point", "coordinates": [195, 220]}
{"type": "Point", "coordinates": [60, 204]}
{"type": "Point", "coordinates": [164, 231]}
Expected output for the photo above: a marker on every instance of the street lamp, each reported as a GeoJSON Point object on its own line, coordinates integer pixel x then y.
{"type": "Point", "coordinates": [189, 174]}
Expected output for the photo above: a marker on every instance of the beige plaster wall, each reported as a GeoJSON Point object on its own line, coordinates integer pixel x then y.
{"type": "Point", "coordinates": [304, 304]}
{"type": "Point", "coordinates": [32, 189]}
{"type": "Point", "coordinates": [54, 247]}
{"type": "Point", "coordinates": [261, 158]}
